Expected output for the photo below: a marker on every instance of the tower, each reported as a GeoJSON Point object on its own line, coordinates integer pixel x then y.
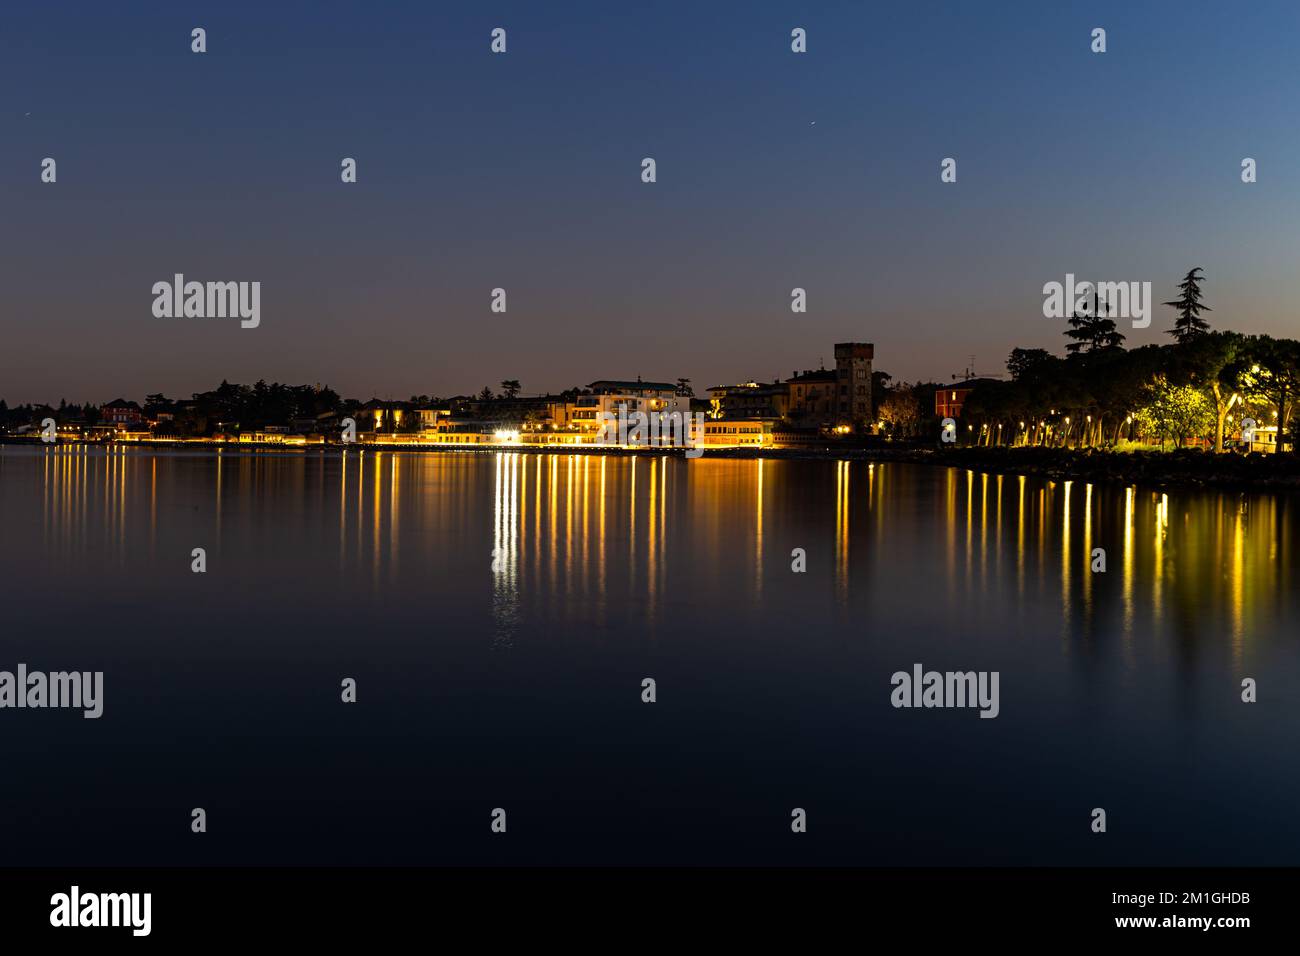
{"type": "Point", "coordinates": [853, 399]}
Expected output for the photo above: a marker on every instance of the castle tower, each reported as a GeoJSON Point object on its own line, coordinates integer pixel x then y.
{"type": "Point", "coordinates": [853, 399]}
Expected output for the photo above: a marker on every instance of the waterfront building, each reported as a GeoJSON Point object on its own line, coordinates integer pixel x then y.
{"type": "Point", "coordinates": [121, 413]}
{"type": "Point", "coordinates": [271, 435]}
{"type": "Point", "coordinates": [1264, 440]}
{"type": "Point", "coordinates": [949, 399]}
{"type": "Point", "coordinates": [813, 397]}
{"type": "Point", "coordinates": [853, 400]}
{"type": "Point", "coordinates": [613, 397]}
{"type": "Point", "coordinates": [377, 416]}
{"type": "Point", "coordinates": [751, 433]}
{"type": "Point", "coordinates": [769, 400]}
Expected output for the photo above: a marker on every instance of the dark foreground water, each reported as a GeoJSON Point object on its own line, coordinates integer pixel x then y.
{"type": "Point", "coordinates": [520, 688]}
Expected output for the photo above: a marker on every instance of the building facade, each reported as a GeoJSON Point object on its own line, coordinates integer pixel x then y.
{"type": "Point", "coordinates": [812, 397]}
{"type": "Point", "coordinates": [853, 400]}
{"type": "Point", "coordinates": [610, 397]}
{"type": "Point", "coordinates": [769, 400]}
{"type": "Point", "coordinates": [121, 413]}
{"type": "Point", "coordinates": [949, 399]}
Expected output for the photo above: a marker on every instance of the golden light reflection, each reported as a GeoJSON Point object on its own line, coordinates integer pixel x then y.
{"type": "Point", "coordinates": [652, 525]}
{"type": "Point", "coordinates": [505, 549]}
{"type": "Point", "coordinates": [586, 515]}
{"type": "Point", "coordinates": [970, 519]}
{"type": "Point", "coordinates": [552, 532]}
{"type": "Point", "coordinates": [394, 496]}
{"type": "Point", "coordinates": [376, 518]}
{"type": "Point", "coordinates": [1086, 551]}
{"type": "Point", "coordinates": [600, 551]}
{"type": "Point", "coordinates": [1020, 537]}
{"type": "Point", "coordinates": [1237, 585]}
{"type": "Point", "coordinates": [1066, 546]}
{"type": "Point", "coordinates": [842, 529]}
{"type": "Point", "coordinates": [343, 504]}
{"type": "Point", "coordinates": [537, 513]}
{"type": "Point", "coordinates": [1219, 573]}
{"type": "Point", "coordinates": [569, 493]}
{"type": "Point", "coordinates": [950, 525]}
{"type": "Point", "coordinates": [984, 529]}
{"type": "Point", "coordinates": [1128, 584]}
{"type": "Point", "coordinates": [758, 532]}
{"type": "Point", "coordinates": [631, 521]}
{"type": "Point", "coordinates": [1158, 556]}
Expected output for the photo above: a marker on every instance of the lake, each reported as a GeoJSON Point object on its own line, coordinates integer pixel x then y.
{"type": "Point", "coordinates": [499, 612]}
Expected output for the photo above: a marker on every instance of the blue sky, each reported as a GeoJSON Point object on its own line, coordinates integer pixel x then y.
{"type": "Point", "coordinates": [521, 171]}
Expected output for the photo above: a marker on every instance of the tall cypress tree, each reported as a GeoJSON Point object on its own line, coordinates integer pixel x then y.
{"type": "Point", "coordinates": [1189, 308]}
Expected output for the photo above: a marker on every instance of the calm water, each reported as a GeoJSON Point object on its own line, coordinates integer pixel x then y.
{"type": "Point", "coordinates": [521, 689]}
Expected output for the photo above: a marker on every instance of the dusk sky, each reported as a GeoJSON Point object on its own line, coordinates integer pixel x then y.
{"type": "Point", "coordinates": [522, 171]}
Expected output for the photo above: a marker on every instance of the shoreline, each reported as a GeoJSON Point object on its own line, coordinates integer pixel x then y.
{"type": "Point", "coordinates": [1183, 469]}
{"type": "Point", "coordinates": [1176, 469]}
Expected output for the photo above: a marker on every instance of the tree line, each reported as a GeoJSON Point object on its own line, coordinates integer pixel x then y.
{"type": "Point", "coordinates": [1197, 389]}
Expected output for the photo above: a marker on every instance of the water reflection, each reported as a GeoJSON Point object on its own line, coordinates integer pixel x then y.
{"type": "Point", "coordinates": [564, 537]}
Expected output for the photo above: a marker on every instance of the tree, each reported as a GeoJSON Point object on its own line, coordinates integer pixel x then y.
{"type": "Point", "coordinates": [1179, 411]}
{"type": "Point", "coordinates": [510, 387]}
{"type": "Point", "coordinates": [1022, 362]}
{"type": "Point", "coordinates": [1121, 381]}
{"type": "Point", "coordinates": [485, 395]}
{"type": "Point", "coordinates": [684, 388]}
{"type": "Point", "coordinates": [991, 406]}
{"type": "Point", "coordinates": [1269, 369]}
{"type": "Point", "coordinates": [1094, 330]}
{"type": "Point", "coordinates": [1079, 331]}
{"type": "Point", "coordinates": [156, 402]}
{"type": "Point", "coordinates": [901, 410]}
{"type": "Point", "coordinates": [1207, 362]}
{"type": "Point", "coordinates": [1108, 338]}
{"type": "Point", "coordinates": [1189, 308]}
